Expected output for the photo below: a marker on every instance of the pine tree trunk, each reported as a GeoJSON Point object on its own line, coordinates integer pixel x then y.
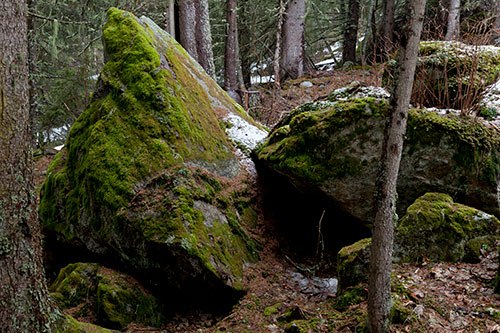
{"type": "Point", "coordinates": [25, 304]}
{"type": "Point", "coordinates": [187, 27]}
{"type": "Point", "coordinates": [388, 30]}
{"type": "Point", "coordinates": [230, 75]}
{"type": "Point", "coordinates": [204, 38]}
{"type": "Point", "coordinates": [293, 56]}
{"type": "Point", "coordinates": [351, 32]}
{"type": "Point", "coordinates": [453, 26]}
{"type": "Point", "coordinates": [379, 292]}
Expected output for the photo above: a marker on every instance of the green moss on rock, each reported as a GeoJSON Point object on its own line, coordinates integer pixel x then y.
{"type": "Point", "coordinates": [439, 229]}
{"type": "Point", "coordinates": [353, 263]}
{"type": "Point", "coordinates": [153, 126]}
{"type": "Point", "coordinates": [113, 298]}
{"type": "Point", "coordinates": [334, 147]}
{"type": "Point", "coordinates": [68, 324]}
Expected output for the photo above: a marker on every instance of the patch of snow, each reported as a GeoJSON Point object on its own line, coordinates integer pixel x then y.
{"type": "Point", "coordinates": [261, 79]}
{"type": "Point", "coordinates": [246, 135]}
{"type": "Point", "coordinates": [243, 132]}
{"type": "Point", "coordinates": [444, 111]}
{"type": "Point", "coordinates": [59, 147]}
{"type": "Point", "coordinates": [93, 77]}
{"type": "Point", "coordinates": [306, 84]}
{"type": "Point", "coordinates": [325, 62]}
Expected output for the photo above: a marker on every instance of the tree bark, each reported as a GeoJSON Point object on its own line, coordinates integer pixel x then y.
{"type": "Point", "coordinates": [388, 30]}
{"type": "Point", "coordinates": [194, 32]}
{"type": "Point", "coordinates": [170, 18]}
{"type": "Point", "coordinates": [277, 50]}
{"type": "Point", "coordinates": [204, 38]}
{"type": "Point", "coordinates": [379, 292]}
{"type": "Point", "coordinates": [293, 55]}
{"type": "Point", "coordinates": [351, 32]}
{"type": "Point", "coordinates": [187, 25]}
{"type": "Point", "coordinates": [453, 26]}
{"type": "Point", "coordinates": [230, 74]}
{"type": "Point", "coordinates": [496, 33]}
{"type": "Point", "coordinates": [25, 303]}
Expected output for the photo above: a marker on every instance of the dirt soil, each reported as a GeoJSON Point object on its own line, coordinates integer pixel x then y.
{"type": "Point", "coordinates": [284, 296]}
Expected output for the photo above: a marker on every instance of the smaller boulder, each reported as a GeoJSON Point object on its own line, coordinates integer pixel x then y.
{"type": "Point", "coordinates": [353, 264]}
{"type": "Point", "coordinates": [439, 229]}
{"type": "Point", "coordinates": [113, 298]}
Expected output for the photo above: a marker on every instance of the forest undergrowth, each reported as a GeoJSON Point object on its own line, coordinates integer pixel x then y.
{"type": "Point", "coordinates": [282, 292]}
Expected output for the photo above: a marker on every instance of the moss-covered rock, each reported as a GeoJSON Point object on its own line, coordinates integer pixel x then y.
{"type": "Point", "coordinates": [68, 324]}
{"type": "Point", "coordinates": [449, 73]}
{"type": "Point", "coordinates": [156, 125]}
{"type": "Point", "coordinates": [353, 264]}
{"type": "Point", "coordinates": [113, 298]}
{"type": "Point", "coordinates": [334, 147]}
{"type": "Point", "coordinates": [439, 229]}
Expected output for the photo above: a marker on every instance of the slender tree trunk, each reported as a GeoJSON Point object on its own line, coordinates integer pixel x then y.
{"type": "Point", "coordinates": [230, 75]}
{"type": "Point", "coordinates": [277, 50]}
{"type": "Point", "coordinates": [204, 37]}
{"type": "Point", "coordinates": [187, 25]}
{"type": "Point", "coordinates": [25, 303]}
{"type": "Point", "coordinates": [388, 30]}
{"type": "Point", "coordinates": [351, 32]}
{"type": "Point", "coordinates": [170, 18]}
{"type": "Point", "coordinates": [379, 292]}
{"type": "Point", "coordinates": [453, 26]}
{"type": "Point", "coordinates": [239, 67]}
{"type": "Point", "coordinates": [293, 55]}
{"type": "Point", "coordinates": [496, 34]}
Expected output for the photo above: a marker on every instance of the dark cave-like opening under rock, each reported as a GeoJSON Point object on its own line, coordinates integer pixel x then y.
{"type": "Point", "coordinates": [295, 216]}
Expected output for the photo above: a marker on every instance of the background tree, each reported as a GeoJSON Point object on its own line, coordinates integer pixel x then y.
{"type": "Point", "coordinates": [379, 291]}
{"type": "Point", "coordinates": [293, 53]}
{"type": "Point", "coordinates": [453, 26]}
{"type": "Point", "coordinates": [170, 18]}
{"type": "Point", "coordinates": [25, 305]}
{"type": "Point", "coordinates": [230, 74]}
{"type": "Point", "coordinates": [388, 30]}
{"type": "Point", "coordinates": [351, 31]}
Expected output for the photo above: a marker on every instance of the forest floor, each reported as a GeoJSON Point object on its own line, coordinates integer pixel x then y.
{"type": "Point", "coordinates": [284, 295]}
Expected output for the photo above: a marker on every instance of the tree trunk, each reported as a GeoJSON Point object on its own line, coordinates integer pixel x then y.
{"type": "Point", "coordinates": [388, 29]}
{"type": "Point", "coordinates": [187, 27]}
{"type": "Point", "coordinates": [453, 26]}
{"type": "Point", "coordinates": [170, 18]}
{"type": "Point", "coordinates": [379, 292]}
{"type": "Point", "coordinates": [277, 50]}
{"type": "Point", "coordinates": [230, 75]}
{"type": "Point", "coordinates": [496, 33]}
{"type": "Point", "coordinates": [293, 57]}
{"type": "Point", "coordinates": [351, 32]}
{"type": "Point", "coordinates": [204, 38]}
{"type": "Point", "coordinates": [194, 32]}
{"type": "Point", "coordinates": [25, 303]}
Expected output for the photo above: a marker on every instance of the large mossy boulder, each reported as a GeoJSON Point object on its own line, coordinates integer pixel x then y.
{"type": "Point", "coordinates": [115, 299]}
{"type": "Point", "coordinates": [149, 178]}
{"type": "Point", "coordinates": [334, 148]}
{"type": "Point", "coordinates": [438, 229]}
{"type": "Point", "coordinates": [450, 74]}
